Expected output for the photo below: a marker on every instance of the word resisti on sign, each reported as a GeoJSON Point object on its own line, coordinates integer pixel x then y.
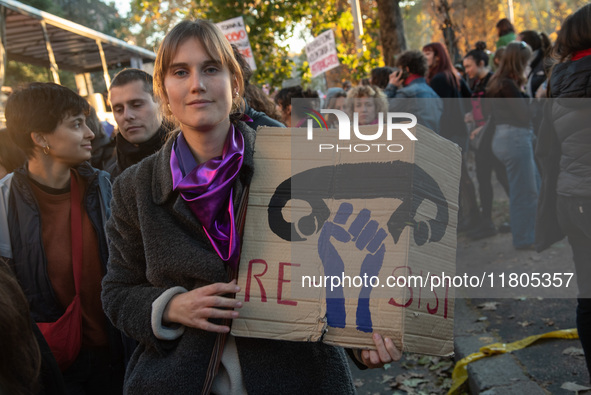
{"type": "Point", "coordinates": [338, 245]}
{"type": "Point", "coordinates": [235, 31]}
{"type": "Point", "coordinates": [322, 53]}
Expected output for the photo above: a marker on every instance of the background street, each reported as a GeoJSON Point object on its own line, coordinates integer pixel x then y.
{"type": "Point", "coordinates": [543, 367]}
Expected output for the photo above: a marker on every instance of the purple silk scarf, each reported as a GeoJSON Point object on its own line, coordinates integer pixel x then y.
{"type": "Point", "coordinates": [208, 190]}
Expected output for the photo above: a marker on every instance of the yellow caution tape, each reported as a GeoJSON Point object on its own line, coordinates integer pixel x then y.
{"type": "Point", "coordinates": [460, 373]}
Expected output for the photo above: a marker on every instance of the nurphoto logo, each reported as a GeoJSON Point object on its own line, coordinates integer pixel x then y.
{"type": "Point", "coordinates": [394, 121]}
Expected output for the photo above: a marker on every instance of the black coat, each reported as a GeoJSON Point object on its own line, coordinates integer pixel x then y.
{"type": "Point", "coordinates": [536, 76]}
{"type": "Point", "coordinates": [564, 146]}
{"type": "Point", "coordinates": [456, 104]}
{"type": "Point", "coordinates": [261, 119]}
{"type": "Point", "coordinates": [156, 243]}
{"type": "Point", "coordinates": [129, 154]}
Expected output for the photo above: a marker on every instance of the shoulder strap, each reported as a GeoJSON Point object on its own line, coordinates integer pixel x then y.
{"type": "Point", "coordinates": [76, 229]}
{"type": "Point", "coordinates": [220, 341]}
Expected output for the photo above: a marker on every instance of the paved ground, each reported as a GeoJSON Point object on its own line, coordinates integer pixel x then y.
{"type": "Point", "coordinates": [542, 368]}
{"type": "Point", "coordinates": [499, 315]}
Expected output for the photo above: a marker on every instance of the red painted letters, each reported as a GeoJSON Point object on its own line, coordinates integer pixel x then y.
{"type": "Point", "coordinates": [280, 282]}
{"type": "Point", "coordinates": [257, 277]}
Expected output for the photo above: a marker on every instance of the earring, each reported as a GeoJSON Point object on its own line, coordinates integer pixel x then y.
{"type": "Point", "coordinates": [46, 150]}
{"type": "Point", "coordinates": [236, 94]}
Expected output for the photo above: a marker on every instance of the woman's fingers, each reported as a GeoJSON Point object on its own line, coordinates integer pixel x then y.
{"type": "Point", "coordinates": [201, 319]}
{"type": "Point", "coordinates": [371, 359]}
{"type": "Point", "coordinates": [221, 302]}
{"type": "Point", "coordinates": [394, 352]}
{"type": "Point", "coordinates": [365, 358]}
{"type": "Point", "coordinates": [194, 308]}
{"type": "Point", "coordinates": [218, 313]}
{"type": "Point", "coordinates": [385, 352]}
{"type": "Point", "coordinates": [211, 327]}
{"type": "Point", "coordinates": [218, 289]}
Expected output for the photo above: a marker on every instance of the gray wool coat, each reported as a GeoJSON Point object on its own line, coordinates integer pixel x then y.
{"type": "Point", "coordinates": [156, 243]}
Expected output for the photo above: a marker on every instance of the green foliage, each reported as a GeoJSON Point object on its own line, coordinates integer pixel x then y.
{"type": "Point", "coordinates": [360, 62]}
{"type": "Point", "coordinates": [475, 20]}
{"type": "Point", "coordinates": [345, 21]}
{"type": "Point", "coordinates": [337, 16]}
{"type": "Point", "coordinates": [21, 73]}
{"type": "Point", "coordinates": [44, 5]}
{"type": "Point", "coordinates": [270, 23]}
{"type": "Point", "coordinates": [93, 14]}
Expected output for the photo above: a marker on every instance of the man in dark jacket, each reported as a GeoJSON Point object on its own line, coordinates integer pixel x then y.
{"type": "Point", "coordinates": [409, 83]}
{"type": "Point", "coordinates": [141, 130]}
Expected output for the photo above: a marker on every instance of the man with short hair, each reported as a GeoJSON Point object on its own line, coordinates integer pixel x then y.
{"type": "Point", "coordinates": [409, 83]}
{"type": "Point", "coordinates": [141, 129]}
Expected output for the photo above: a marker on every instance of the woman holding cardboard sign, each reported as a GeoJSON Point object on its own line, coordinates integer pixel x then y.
{"type": "Point", "coordinates": [174, 231]}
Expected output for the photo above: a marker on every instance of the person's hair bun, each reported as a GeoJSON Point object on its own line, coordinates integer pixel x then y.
{"type": "Point", "coordinates": [481, 45]}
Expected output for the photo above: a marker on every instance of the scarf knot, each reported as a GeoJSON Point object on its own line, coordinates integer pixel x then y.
{"type": "Point", "coordinates": [208, 190]}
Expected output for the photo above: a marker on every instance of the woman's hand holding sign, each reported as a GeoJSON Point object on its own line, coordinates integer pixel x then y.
{"type": "Point", "coordinates": [195, 308]}
{"type": "Point", "coordinates": [385, 352]}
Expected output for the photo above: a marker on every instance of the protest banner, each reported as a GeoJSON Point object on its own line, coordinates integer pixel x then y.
{"type": "Point", "coordinates": [235, 31]}
{"type": "Point", "coordinates": [341, 239]}
{"type": "Point", "coordinates": [322, 53]}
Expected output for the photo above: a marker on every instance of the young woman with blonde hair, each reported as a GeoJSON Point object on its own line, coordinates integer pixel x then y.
{"type": "Point", "coordinates": [175, 244]}
{"type": "Point", "coordinates": [368, 102]}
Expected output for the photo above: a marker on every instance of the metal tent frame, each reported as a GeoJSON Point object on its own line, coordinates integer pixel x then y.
{"type": "Point", "coordinates": [36, 37]}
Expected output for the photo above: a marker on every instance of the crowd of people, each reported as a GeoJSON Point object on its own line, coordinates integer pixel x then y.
{"type": "Point", "coordinates": [485, 109]}
{"type": "Point", "coordinates": [130, 244]}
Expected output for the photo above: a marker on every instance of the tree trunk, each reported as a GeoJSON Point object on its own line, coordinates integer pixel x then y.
{"type": "Point", "coordinates": [449, 30]}
{"type": "Point", "coordinates": [391, 30]}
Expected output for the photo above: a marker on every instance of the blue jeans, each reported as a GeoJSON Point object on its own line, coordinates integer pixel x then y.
{"type": "Point", "coordinates": [513, 146]}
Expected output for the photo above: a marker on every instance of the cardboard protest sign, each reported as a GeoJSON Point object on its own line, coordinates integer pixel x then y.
{"type": "Point", "coordinates": [235, 31]}
{"type": "Point", "coordinates": [341, 239]}
{"type": "Point", "coordinates": [322, 53]}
